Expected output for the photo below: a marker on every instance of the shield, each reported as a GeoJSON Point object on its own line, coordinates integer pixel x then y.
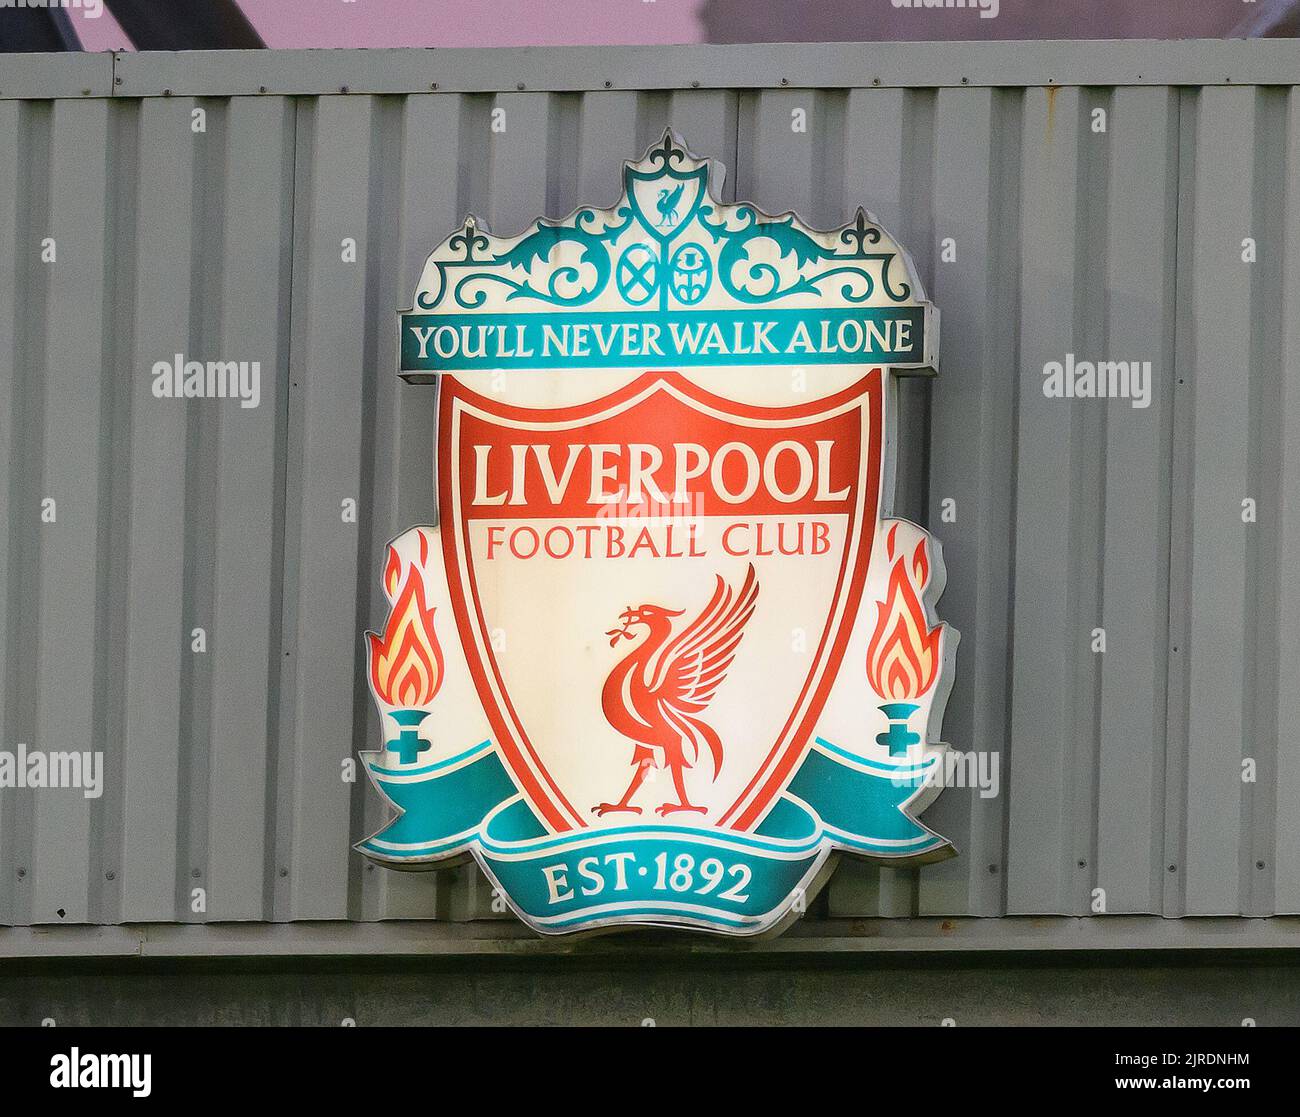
{"type": "Point", "coordinates": [655, 588]}
{"type": "Point", "coordinates": [640, 670]}
{"type": "Point", "coordinates": [666, 198]}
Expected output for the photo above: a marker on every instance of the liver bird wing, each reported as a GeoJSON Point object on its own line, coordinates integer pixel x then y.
{"type": "Point", "coordinates": [670, 203]}
{"type": "Point", "coordinates": [693, 665]}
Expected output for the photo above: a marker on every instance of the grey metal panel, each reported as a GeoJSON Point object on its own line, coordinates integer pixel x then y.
{"type": "Point", "coordinates": [72, 443]}
{"type": "Point", "coordinates": [30, 152]}
{"type": "Point", "coordinates": [808, 937]}
{"type": "Point", "coordinates": [327, 391]}
{"type": "Point", "coordinates": [425, 203]}
{"type": "Point", "coordinates": [800, 65]}
{"type": "Point", "coordinates": [975, 142]}
{"type": "Point", "coordinates": [14, 245]}
{"type": "Point", "coordinates": [154, 562]}
{"type": "Point", "coordinates": [876, 176]}
{"type": "Point", "coordinates": [1070, 515]}
{"type": "Point", "coordinates": [1217, 381]}
{"type": "Point", "coordinates": [1286, 858]}
{"type": "Point", "coordinates": [1049, 631]}
{"type": "Point", "coordinates": [56, 75]}
{"type": "Point", "coordinates": [1140, 242]}
{"type": "Point", "coordinates": [250, 261]}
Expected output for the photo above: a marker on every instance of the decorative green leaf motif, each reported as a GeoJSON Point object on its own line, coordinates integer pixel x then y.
{"type": "Point", "coordinates": [770, 286]}
{"type": "Point", "coordinates": [537, 247]}
{"type": "Point", "coordinates": [757, 260]}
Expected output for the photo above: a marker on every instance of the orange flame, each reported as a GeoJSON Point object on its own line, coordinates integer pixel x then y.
{"type": "Point", "coordinates": [406, 664]}
{"type": "Point", "coordinates": [903, 656]}
{"type": "Point", "coordinates": [392, 573]}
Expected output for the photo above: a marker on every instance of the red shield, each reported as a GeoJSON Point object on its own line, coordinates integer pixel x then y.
{"type": "Point", "coordinates": [654, 588]}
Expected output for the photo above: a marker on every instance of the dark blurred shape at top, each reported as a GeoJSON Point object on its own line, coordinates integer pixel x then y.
{"type": "Point", "coordinates": [149, 24]}
{"type": "Point", "coordinates": [28, 29]}
{"type": "Point", "coordinates": [185, 24]}
{"type": "Point", "coordinates": [749, 21]}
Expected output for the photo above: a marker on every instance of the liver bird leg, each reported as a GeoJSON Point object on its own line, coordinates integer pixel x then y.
{"type": "Point", "coordinates": [623, 804]}
{"type": "Point", "coordinates": [685, 804]}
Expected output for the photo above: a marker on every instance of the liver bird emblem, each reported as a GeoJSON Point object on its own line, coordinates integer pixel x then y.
{"type": "Point", "coordinates": [657, 692]}
{"type": "Point", "coordinates": [667, 204]}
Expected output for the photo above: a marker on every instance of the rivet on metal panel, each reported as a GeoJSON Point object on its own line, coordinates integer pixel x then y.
{"type": "Point", "coordinates": [343, 88]}
{"type": "Point", "coordinates": [85, 92]}
{"type": "Point", "coordinates": [117, 80]}
{"type": "Point", "coordinates": [993, 868]}
{"type": "Point", "coordinates": [519, 85]}
{"type": "Point", "coordinates": [785, 81]}
{"type": "Point", "coordinates": [261, 89]}
{"type": "Point", "coordinates": [608, 84]}
{"type": "Point", "coordinates": [196, 873]}
{"type": "Point", "coordinates": [875, 81]}
{"type": "Point", "coordinates": [110, 875]}
{"type": "Point", "coordinates": [1173, 868]}
{"type": "Point", "coordinates": [695, 85]}
{"type": "Point", "coordinates": [1259, 864]}
{"type": "Point", "coordinates": [167, 92]}
{"type": "Point", "coordinates": [22, 873]}
{"type": "Point", "coordinates": [964, 80]}
{"type": "Point", "coordinates": [433, 85]}
{"type": "Point", "coordinates": [283, 871]}
{"type": "Point", "coordinates": [1082, 863]}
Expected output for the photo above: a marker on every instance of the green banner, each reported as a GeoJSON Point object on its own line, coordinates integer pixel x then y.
{"type": "Point", "coordinates": [716, 878]}
{"type": "Point", "coordinates": [649, 339]}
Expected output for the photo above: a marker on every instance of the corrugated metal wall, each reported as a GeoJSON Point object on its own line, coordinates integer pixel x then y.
{"type": "Point", "coordinates": [1121, 770]}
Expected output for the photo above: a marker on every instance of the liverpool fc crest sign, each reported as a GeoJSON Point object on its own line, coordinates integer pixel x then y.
{"type": "Point", "coordinates": [664, 653]}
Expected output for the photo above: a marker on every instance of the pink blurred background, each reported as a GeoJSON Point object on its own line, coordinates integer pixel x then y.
{"type": "Point", "coordinates": [449, 23]}
{"type": "Point", "coordinates": [446, 23]}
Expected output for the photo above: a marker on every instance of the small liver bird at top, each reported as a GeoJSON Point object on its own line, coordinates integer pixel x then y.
{"type": "Point", "coordinates": [667, 204]}
{"type": "Point", "coordinates": [655, 694]}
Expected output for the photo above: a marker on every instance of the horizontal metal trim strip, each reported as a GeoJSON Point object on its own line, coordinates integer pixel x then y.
{"type": "Point", "coordinates": [689, 66]}
{"type": "Point", "coordinates": [39, 76]}
{"type": "Point", "coordinates": [432, 939]}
